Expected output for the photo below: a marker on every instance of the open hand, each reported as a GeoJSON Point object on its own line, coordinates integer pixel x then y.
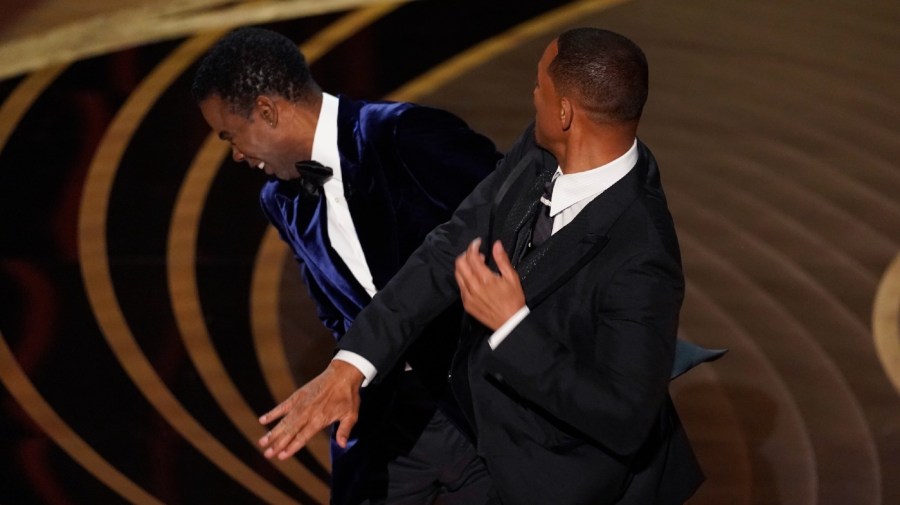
{"type": "Point", "coordinates": [332, 396]}
{"type": "Point", "coordinates": [491, 298]}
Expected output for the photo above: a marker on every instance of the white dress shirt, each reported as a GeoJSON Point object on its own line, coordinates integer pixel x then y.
{"type": "Point", "coordinates": [341, 232]}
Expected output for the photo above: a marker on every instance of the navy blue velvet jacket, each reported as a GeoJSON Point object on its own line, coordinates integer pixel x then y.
{"type": "Point", "coordinates": [405, 169]}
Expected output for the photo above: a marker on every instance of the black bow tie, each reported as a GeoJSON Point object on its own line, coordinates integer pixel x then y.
{"type": "Point", "coordinates": [313, 175]}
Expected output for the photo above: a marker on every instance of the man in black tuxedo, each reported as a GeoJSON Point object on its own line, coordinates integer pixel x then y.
{"type": "Point", "coordinates": [377, 178]}
{"type": "Point", "coordinates": [563, 367]}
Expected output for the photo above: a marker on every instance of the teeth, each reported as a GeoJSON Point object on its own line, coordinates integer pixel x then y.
{"type": "Point", "coordinates": [262, 165]}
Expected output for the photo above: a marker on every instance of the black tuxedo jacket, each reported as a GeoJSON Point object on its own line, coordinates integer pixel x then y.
{"type": "Point", "coordinates": [405, 168]}
{"type": "Point", "coordinates": [573, 407]}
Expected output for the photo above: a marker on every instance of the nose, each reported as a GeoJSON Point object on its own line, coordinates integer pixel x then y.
{"type": "Point", "coordinates": [236, 155]}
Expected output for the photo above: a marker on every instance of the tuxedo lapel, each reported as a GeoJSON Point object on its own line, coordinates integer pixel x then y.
{"type": "Point", "coordinates": [566, 252]}
{"type": "Point", "coordinates": [518, 200]}
{"type": "Point", "coordinates": [571, 248]}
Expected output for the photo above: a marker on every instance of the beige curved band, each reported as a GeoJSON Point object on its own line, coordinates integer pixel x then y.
{"type": "Point", "coordinates": [886, 322]}
{"type": "Point", "coordinates": [98, 282]}
{"type": "Point", "coordinates": [13, 377]}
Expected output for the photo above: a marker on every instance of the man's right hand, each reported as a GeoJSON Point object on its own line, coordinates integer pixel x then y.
{"type": "Point", "coordinates": [333, 396]}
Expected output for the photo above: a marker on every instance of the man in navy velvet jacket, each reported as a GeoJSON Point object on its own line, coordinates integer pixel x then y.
{"type": "Point", "coordinates": [375, 179]}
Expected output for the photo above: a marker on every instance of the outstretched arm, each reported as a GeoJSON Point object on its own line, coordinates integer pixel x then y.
{"type": "Point", "coordinates": [382, 331]}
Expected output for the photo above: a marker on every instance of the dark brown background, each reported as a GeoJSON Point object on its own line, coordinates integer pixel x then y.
{"type": "Point", "coordinates": [776, 125]}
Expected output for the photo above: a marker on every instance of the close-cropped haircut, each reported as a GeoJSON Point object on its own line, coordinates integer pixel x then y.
{"type": "Point", "coordinates": [606, 73]}
{"type": "Point", "coordinates": [250, 62]}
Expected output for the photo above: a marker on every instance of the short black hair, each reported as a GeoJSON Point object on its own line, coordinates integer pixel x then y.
{"type": "Point", "coordinates": [606, 72]}
{"type": "Point", "coordinates": [249, 62]}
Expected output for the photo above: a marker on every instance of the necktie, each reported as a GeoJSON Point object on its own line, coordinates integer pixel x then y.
{"type": "Point", "coordinates": [543, 223]}
{"type": "Point", "coordinates": [313, 175]}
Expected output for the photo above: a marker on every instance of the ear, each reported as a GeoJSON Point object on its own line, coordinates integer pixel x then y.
{"type": "Point", "coordinates": [566, 113]}
{"type": "Point", "coordinates": [267, 110]}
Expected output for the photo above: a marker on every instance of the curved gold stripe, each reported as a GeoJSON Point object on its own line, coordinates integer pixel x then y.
{"type": "Point", "coordinates": [99, 286]}
{"type": "Point", "coordinates": [345, 27]}
{"type": "Point", "coordinates": [30, 400]}
{"type": "Point", "coordinates": [458, 65]}
{"type": "Point", "coordinates": [11, 374]}
{"type": "Point", "coordinates": [185, 298]}
{"type": "Point", "coordinates": [886, 322]}
{"type": "Point", "coordinates": [153, 22]}
{"type": "Point", "coordinates": [264, 311]}
{"type": "Point", "coordinates": [271, 260]}
{"type": "Point", "coordinates": [19, 101]}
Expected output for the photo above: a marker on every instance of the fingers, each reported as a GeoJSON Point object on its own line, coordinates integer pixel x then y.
{"type": "Point", "coordinates": [280, 410]}
{"type": "Point", "coordinates": [491, 298]}
{"type": "Point", "coordinates": [291, 449]}
{"type": "Point", "coordinates": [472, 273]}
{"type": "Point", "coordinates": [279, 436]}
{"type": "Point", "coordinates": [292, 433]}
{"type": "Point", "coordinates": [343, 432]}
{"type": "Point", "coordinates": [472, 264]}
{"type": "Point", "coordinates": [289, 445]}
{"type": "Point", "coordinates": [466, 265]}
{"type": "Point", "coordinates": [286, 441]}
{"type": "Point", "coordinates": [332, 396]}
{"type": "Point", "coordinates": [502, 260]}
{"type": "Point", "coordinates": [274, 414]}
{"type": "Point", "coordinates": [474, 261]}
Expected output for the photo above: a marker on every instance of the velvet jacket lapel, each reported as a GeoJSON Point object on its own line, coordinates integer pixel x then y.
{"type": "Point", "coordinates": [365, 189]}
{"type": "Point", "coordinates": [301, 220]}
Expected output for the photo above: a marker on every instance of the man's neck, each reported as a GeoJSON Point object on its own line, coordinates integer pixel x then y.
{"type": "Point", "coordinates": [586, 149]}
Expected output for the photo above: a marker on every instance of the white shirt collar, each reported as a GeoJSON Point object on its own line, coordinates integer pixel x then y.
{"type": "Point", "coordinates": [325, 140]}
{"type": "Point", "coordinates": [570, 189]}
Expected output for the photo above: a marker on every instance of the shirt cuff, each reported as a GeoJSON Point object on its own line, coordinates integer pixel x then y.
{"type": "Point", "coordinates": [361, 364]}
{"type": "Point", "coordinates": [507, 328]}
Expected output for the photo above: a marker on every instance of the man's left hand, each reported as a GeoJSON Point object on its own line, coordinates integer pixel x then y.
{"type": "Point", "coordinates": [491, 298]}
